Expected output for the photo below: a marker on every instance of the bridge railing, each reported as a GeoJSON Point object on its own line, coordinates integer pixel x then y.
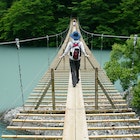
{"type": "Point", "coordinates": [49, 83]}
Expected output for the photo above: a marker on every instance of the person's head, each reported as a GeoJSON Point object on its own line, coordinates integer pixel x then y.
{"type": "Point", "coordinates": [75, 35]}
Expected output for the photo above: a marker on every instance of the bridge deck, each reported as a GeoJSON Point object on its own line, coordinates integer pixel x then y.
{"type": "Point", "coordinates": [60, 111]}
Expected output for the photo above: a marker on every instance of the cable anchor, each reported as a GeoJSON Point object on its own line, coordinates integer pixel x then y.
{"type": "Point", "coordinates": [135, 39]}
{"type": "Point", "coordinates": [17, 43]}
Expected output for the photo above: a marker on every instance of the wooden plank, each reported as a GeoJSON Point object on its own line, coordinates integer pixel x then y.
{"type": "Point", "coordinates": [100, 101]}
{"type": "Point", "coordinates": [75, 127]}
{"type": "Point", "coordinates": [101, 98]}
{"type": "Point", "coordinates": [64, 101]}
{"type": "Point", "coordinates": [43, 114]}
{"type": "Point", "coordinates": [114, 127]}
{"type": "Point", "coordinates": [43, 111]}
{"type": "Point", "coordinates": [90, 112]}
{"type": "Point", "coordinates": [32, 136]}
{"type": "Point", "coordinates": [85, 94]}
{"type": "Point", "coordinates": [57, 88]}
{"type": "Point", "coordinates": [30, 120]}
{"type": "Point", "coordinates": [113, 114]}
{"type": "Point", "coordinates": [113, 120]}
{"type": "Point", "coordinates": [48, 94]}
{"type": "Point", "coordinates": [106, 111]}
{"type": "Point", "coordinates": [61, 105]}
{"type": "Point", "coordinates": [33, 128]}
{"type": "Point", "coordinates": [57, 102]}
{"type": "Point", "coordinates": [115, 136]}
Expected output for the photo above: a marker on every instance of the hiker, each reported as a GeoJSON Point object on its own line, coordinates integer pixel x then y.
{"type": "Point", "coordinates": [74, 22]}
{"type": "Point", "coordinates": [75, 47]}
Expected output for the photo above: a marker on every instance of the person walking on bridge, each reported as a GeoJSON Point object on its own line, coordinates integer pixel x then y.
{"type": "Point", "coordinates": [75, 47]}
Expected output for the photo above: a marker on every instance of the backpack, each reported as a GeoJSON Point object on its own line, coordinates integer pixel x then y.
{"type": "Point", "coordinates": [75, 51]}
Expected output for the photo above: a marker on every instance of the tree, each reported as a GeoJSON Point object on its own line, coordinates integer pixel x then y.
{"type": "Point", "coordinates": [136, 96]}
{"type": "Point", "coordinates": [27, 19]}
{"type": "Point", "coordinates": [2, 8]}
{"type": "Point", "coordinates": [110, 17]}
{"type": "Point", "coordinates": [24, 18]}
{"type": "Point", "coordinates": [124, 63]}
{"type": "Point", "coordinates": [124, 66]}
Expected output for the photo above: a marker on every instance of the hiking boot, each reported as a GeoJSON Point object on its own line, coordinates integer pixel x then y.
{"type": "Point", "coordinates": [74, 85]}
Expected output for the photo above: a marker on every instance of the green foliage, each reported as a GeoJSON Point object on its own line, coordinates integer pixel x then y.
{"type": "Point", "coordinates": [27, 19]}
{"type": "Point", "coordinates": [2, 8]}
{"type": "Point", "coordinates": [62, 24]}
{"type": "Point", "coordinates": [124, 63]}
{"type": "Point", "coordinates": [113, 70]}
{"type": "Point", "coordinates": [136, 96]}
{"type": "Point", "coordinates": [110, 17]}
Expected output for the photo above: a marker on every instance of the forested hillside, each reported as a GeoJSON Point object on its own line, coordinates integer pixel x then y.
{"type": "Point", "coordinates": [34, 18]}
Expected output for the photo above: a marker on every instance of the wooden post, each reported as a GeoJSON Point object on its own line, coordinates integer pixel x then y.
{"type": "Point", "coordinates": [63, 60]}
{"type": "Point", "coordinates": [84, 62]}
{"type": "Point", "coordinates": [53, 91]}
{"type": "Point", "coordinates": [43, 95]}
{"type": "Point", "coordinates": [96, 88]}
{"type": "Point", "coordinates": [104, 90]}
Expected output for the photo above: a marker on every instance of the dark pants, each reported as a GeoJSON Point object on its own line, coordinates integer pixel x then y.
{"type": "Point", "coordinates": [75, 65]}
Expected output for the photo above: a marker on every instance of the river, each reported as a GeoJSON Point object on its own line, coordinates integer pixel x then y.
{"type": "Point", "coordinates": [28, 64]}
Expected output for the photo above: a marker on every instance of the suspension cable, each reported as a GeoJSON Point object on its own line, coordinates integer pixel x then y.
{"type": "Point", "coordinates": [19, 68]}
{"type": "Point", "coordinates": [18, 47]}
{"type": "Point", "coordinates": [108, 36]}
{"type": "Point", "coordinates": [33, 39]}
{"type": "Point", "coordinates": [135, 43]}
{"type": "Point", "coordinates": [18, 54]}
{"type": "Point", "coordinates": [101, 49]}
{"type": "Point", "coordinates": [131, 74]}
{"type": "Point", "coordinates": [92, 42]}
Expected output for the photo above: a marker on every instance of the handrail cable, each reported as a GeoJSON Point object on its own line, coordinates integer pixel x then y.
{"type": "Point", "coordinates": [44, 86]}
{"type": "Point", "coordinates": [40, 91]}
{"type": "Point", "coordinates": [32, 39]}
{"type": "Point", "coordinates": [105, 35]}
{"type": "Point", "coordinates": [94, 67]}
{"type": "Point", "coordinates": [112, 98]}
{"type": "Point", "coordinates": [101, 35]}
{"type": "Point", "coordinates": [62, 39]}
{"type": "Point", "coordinates": [101, 50]}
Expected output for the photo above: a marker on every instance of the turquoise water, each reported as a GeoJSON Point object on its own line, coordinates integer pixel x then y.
{"type": "Point", "coordinates": [33, 61]}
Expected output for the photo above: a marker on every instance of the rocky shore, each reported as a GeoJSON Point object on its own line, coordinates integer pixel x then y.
{"type": "Point", "coordinates": [11, 114]}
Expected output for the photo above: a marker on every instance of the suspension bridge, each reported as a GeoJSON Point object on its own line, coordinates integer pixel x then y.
{"type": "Point", "coordinates": [94, 109]}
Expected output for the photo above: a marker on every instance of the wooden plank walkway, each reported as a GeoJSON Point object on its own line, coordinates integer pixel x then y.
{"type": "Point", "coordinates": [60, 111]}
{"type": "Point", "coordinates": [75, 126]}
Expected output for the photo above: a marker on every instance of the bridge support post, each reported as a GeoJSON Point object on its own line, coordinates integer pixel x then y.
{"type": "Point", "coordinates": [84, 62]}
{"type": "Point", "coordinates": [96, 88]}
{"type": "Point", "coordinates": [63, 61]}
{"type": "Point", "coordinates": [53, 89]}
